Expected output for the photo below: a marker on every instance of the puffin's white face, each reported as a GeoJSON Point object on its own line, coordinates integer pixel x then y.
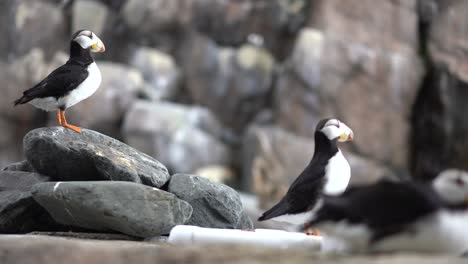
{"type": "Point", "coordinates": [88, 40]}
{"type": "Point", "coordinates": [334, 129]}
{"type": "Point", "coordinates": [452, 186]}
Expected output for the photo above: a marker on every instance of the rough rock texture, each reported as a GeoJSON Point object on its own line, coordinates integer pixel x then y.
{"type": "Point", "coordinates": [19, 212]}
{"type": "Point", "coordinates": [214, 205]}
{"type": "Point", "coordinates": [105, 109]}
{"type": "Point", "coordinates": [51, 250]}
{"type": "Point", "coordinates": [65, 155]}
{"type": "Point", "coordinates": [28, 17]}
{"type": "Point", "coordinates": [233, 83]}
{"type": "Point", "coordinates": [130, 208]}
{"type": "Point", "coordinates": [370, 87]}
{"type": "Point", "coordinates": [273, 158]}
{"type": "Point", "coordinates": [159, 71]}
{"type": "Point", "coordinates": [89, 15]}
{"type": "Point", "coordinates": [176, 135]}
{"type": "Point", "coordinates": [439, 120]}
{"type": "Point", "coordinates": [20, 166]}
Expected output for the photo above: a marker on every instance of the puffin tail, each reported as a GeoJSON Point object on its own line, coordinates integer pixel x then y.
{"type": "Point", "coordinates": [24, 99]}
{"type": "Point", "coordinates": [280, 208]}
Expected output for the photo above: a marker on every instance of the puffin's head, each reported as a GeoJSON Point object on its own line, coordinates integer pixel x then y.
{"type": "Point", "coordinates": [452, 186]}
{"type": "Point", "coordinates": [88, 40]}
{"type": "Point", "coordinates": [335, 129]}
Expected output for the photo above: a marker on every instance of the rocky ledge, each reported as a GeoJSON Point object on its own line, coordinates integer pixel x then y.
{"type": "Point", "coordinates": [91, 182]}
{"type": "Point", "coordinates": [42, 250]}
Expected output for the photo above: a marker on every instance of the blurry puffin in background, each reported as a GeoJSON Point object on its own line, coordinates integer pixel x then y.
{"type": "Point", "coordinates": [72, 82]}
{"type": "Point", "coordinates": [397, 216]}
{"type": "Point", "coordinates": [327, 173]}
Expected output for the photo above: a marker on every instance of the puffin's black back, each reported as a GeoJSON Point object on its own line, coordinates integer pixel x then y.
{"type": "Point", "coordinates": [63, 79]}
{"type": "Point", "coordinates": [304, 192]}
{"type": "Point", "coordinates": [386, 207]}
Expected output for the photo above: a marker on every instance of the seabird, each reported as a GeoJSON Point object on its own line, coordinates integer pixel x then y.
{"type": "Point", "coordinates": [328, 172]}
{"type": "Point", "coordinates": [397, 216]}
{"type": "Point", "coordinates": [72, 82]}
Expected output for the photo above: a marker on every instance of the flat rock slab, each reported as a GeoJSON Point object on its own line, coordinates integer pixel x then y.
{"type": "Point", "coordinates": [19, 212]}
{"type": "Point", "coordinates": [90, 156]}
{"type": "Point", "coordinates": [125, 207]}
{"type": "Point", "coordinates": [214, 204]}
{"type": "Point", "coordinates": [54, 250]}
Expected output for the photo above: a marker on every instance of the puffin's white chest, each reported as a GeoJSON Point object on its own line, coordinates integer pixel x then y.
{"type": "Point", "coordinates": [87, 88]}
{"type": "Point", "coordinates": [338, 174]}
{"type": "Point", "coordinates": [83, 91]}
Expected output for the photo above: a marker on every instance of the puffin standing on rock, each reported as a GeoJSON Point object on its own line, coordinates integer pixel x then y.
{"type": "Point", "coordinates": [327, 173]}
{"type": "Point", "coordinates": [72, 82]}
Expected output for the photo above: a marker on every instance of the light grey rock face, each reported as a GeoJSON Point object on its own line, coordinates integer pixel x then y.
{"type": "Point", "coordinates": [150, 16]}
{"type": "Point", "coordinates": [104, 110]}
{"type": "Point", "coordinates": [19, 213]}
{"type": "Point", "coordinates": [159, 71]}
{"type": "Point", "coordinates": [214, 205]}
{"type": "Point", "coordinates": [87, 14]}
{"type": "Point", "coordinates": [130, 208]}
{"type": "Point", "coordinates": [176, 135]}
{"type": "Point", "coordinates": [371, 87]}
{"type": "Point", "coordinates": [68, 156]}
{"type": "Point", "coordinates": [35, 24]}
{"type": "Point", "coordinates": [233, 83]}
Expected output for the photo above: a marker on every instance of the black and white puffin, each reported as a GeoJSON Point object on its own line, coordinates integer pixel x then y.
{"type": "Point", "coordinates": [72, 82]}
{"type": "Point", "coordinates": [397, 216]}
{"type": "Point", "coordinates": [328, 172]}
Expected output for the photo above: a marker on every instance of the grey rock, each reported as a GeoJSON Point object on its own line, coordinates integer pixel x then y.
{"type": "Point", "coordinates": [104, 110]}
{"type": "Point", "coordinates": [159, 71]}
{"type": "Point", "coordinates": [20, 166]}
{"type": "Point", "coordinates": [90, 15]}
{"type": "Point", "coordinates": [328, 74]}
{"type": "Point", "coordinates": [35, 24]}
{"type": "Point", "coordinates": [176, 135]}
{"type": "Point", "coordinates": [214, 205]}
{"type": "Point", "coordinates": [19, 212]}
{"type": "Point", "coordinates": [233, 83]}
{"type": "Point", "coordinates": [129, 208]}
{"type": "Point", "coordinates": [439, 113]}
{"type": "Point", "coordinates": [68, 156]}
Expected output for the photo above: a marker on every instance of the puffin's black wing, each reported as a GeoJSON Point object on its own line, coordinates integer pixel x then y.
{"type": "Point", "coordinates": [302, 194]}
{"type": "Point", "coordinates": [58, 83]}
{"type": "Point", "coordinates": [386, 207]}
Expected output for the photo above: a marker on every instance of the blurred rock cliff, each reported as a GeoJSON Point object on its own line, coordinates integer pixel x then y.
{"type": "Point", "coordinates": [232, 89]}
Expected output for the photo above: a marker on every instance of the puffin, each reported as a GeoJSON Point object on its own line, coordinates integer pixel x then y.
{"type": "Point", "coordinates": [72, 82]}
{"type": "Point", "coordinates": [393, 216]}
{"type": "Point", "coordinates": [327, 173]}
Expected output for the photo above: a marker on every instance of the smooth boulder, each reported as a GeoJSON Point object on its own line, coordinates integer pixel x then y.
{"type": "Point", "coordinates": [214, 205]}
{"type": "Point", "coordinates": [68, 156]}
{"type": "Point", "coordinates": [129, 208]}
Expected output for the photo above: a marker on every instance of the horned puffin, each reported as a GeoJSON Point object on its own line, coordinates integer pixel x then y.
{"type": "Point", "coordinates": [72, 82]}
{"type": "Point", "coordinates": [397, 216]}
{"type": "Point", "coordinates": [328, 172]}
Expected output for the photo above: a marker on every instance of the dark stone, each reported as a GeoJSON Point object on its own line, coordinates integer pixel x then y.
{"type": "Point", "coordinates": [68, 156]}
{"type": "Point", "coordinates": [20, 166]}
{"type": "Point", "coordinates": [129, 208]}
{"type": "Point", "coordinates": [19, 212]}
{"type": "Point", "coordinates": [214, 205]}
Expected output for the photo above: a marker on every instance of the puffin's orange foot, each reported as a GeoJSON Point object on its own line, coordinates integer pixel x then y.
{"type": "Point", "coordinates": [59, 119]}
{"type": "Point", "coordinates": [314, 232]}
{"type": "Point", "coordinates": [72, 127]}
